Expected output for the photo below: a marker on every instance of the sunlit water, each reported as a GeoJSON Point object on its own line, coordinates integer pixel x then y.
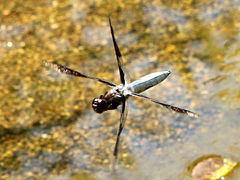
{"type": "Point", "coordinates": [48, 129]}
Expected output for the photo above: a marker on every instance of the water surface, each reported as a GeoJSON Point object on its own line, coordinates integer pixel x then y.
{"type": "Point", "coordinates": [48, 129]}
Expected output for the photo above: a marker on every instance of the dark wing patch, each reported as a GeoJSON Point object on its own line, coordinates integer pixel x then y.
{"type": "Point", "coordinates": [121, 125]}
{"type": "Point", "coordinates": [168, 106]}
{"type": "Point", "coordinates": [118, 55]}
{"type": "Point", "coordinates": [66, 70]}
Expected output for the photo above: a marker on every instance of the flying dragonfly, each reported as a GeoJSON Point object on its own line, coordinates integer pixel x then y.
{"type": "Point", "coordinates": [119, 94]}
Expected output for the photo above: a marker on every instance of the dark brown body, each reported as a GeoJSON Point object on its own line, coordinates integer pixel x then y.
{"type": "Point", "coordinates": [110, 100]}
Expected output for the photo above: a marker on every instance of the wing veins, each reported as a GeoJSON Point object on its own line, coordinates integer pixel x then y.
{"type": "Point", "coordinates": [118, 55]}
{"type": "Point", "coordinates": [66, 70]}
{"type": "Point", "coordinates": [121, 126]}
{"type": "Point", "coordinates": [168, 106]}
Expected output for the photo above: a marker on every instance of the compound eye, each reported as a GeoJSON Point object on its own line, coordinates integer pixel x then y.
{"type": "Point", "coordinates": [99, 105]}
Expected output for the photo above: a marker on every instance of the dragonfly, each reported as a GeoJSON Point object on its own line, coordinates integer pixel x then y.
{"type": "Point", "coordinates": [118, 94]}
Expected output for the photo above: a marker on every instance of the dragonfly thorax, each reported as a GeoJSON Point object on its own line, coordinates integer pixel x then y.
{"type": "Point", "coordinates": [110, 100]}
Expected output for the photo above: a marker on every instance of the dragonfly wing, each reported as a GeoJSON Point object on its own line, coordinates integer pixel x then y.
{"type": "Point", "coordinates": [118, 56]}
{"type": "Point", "coordinates": [66, 70]}
{"type": "Point", "coordinates": [121, 125]}
{"type": "Point", "coordinates": [168, 106]}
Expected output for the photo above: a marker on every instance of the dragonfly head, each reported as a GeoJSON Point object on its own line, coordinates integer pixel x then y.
{"type": "Point", "coordinates": [100, 104]}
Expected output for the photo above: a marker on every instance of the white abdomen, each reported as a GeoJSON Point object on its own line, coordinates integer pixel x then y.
{"type": "Point", "coordinates": [147, 81]}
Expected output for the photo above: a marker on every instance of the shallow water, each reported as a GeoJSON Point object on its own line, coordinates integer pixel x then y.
{"type": "Point", "coordinates": [48, 129]}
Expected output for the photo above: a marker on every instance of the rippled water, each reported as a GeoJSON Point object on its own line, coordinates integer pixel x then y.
{"type": "Point", "coordinates": [48, 129]}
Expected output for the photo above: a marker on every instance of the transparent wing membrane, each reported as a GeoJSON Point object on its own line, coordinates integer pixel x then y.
{"type": "Point", "coordinates": [66, 70]}
{"type": "Point", "coordinates": [168, 106]}
{"type": "Point", "coordinates": [118, 56]}
{"type": "Point", "coordinates": [121, 125]}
